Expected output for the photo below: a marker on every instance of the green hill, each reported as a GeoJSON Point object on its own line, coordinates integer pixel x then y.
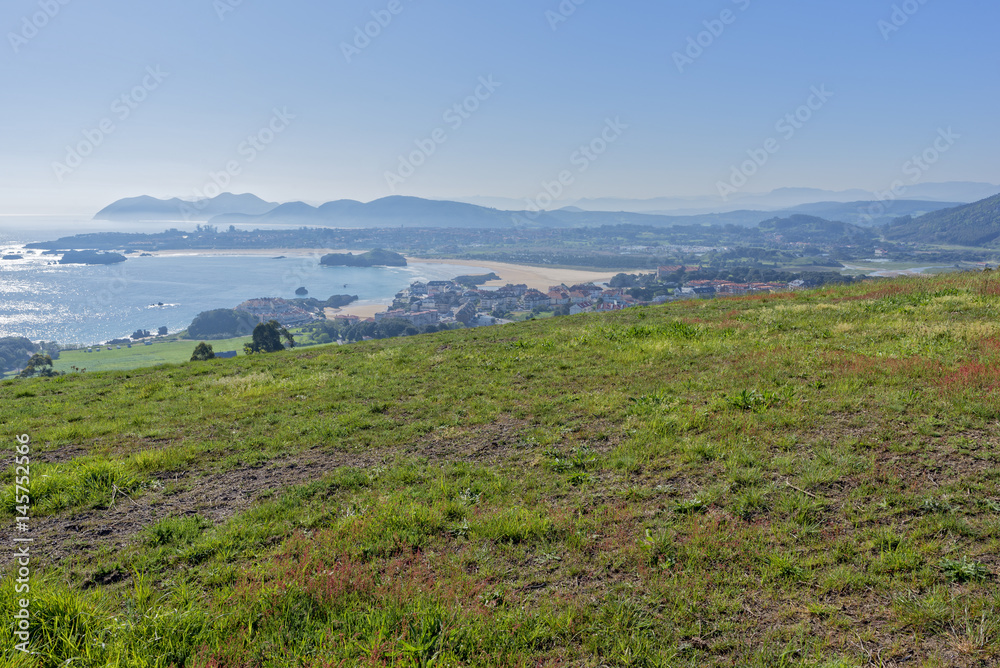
{"type": "Point", "coordinates": [800, 228]}
{"type": "Point", "coordinates": [807, 479]}
{"type": "Point", "coordinates": [976, 224]}
{"type": "Point", "coordinates": [373, 258]}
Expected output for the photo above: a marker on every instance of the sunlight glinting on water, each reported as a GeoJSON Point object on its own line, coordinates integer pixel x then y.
{"type": "Point", "coordinates": [78, 304]}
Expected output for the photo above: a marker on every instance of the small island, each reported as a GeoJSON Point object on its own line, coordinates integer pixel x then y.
{"type": "Point", "coordinates": [302, 292]}
{"type": "Point", "coordinates": [91, 257]}
{"type": "Point", "coordinates": [374, 258]}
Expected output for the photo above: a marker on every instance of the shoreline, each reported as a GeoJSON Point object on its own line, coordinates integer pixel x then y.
{"type": "Point", "coordinates": [534, 276]}
{"type": "Point", "coordinates": [241, 252]}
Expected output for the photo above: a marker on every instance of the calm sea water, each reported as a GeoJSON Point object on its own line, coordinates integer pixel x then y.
{"type": "Point", "coordinates": [91, 304]}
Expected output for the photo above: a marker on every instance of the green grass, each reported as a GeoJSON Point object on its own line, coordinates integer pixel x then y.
{"type": "Point", "coordinates": [166, 351]}
{"type": "Point", "coordinates": [807, 479]}
{"type": "Point", "coordinates": [139, 355]}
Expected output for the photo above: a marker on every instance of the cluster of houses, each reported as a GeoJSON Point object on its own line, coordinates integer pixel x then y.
{"type": "Point", "coordinates": [705, 288]}
{"type": "Point", "coordinates": [287, 313]}
{"type": "Point", "coordinates": [439, 302]}
{"type": "Point", "coordinates": [433, 303]}
{"type": "Point", "coordinates": [420, 318]}
{"type": "Point", "coordinates": [586, 298]}
{"type": "Point", "coordinates": [729, 288]}
{"type": "Point", "coordinates": [445, 302]}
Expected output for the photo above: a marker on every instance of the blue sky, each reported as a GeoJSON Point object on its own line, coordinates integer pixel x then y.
{"type": "Point", "coordinates": [224, 71]}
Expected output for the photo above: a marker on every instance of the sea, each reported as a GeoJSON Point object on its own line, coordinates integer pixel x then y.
{"type": "Point", "coordinates": [86, 304]}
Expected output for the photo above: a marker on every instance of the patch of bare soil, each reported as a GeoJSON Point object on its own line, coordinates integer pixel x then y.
{"type": "Point", "coordinates": [489, 443]}
{"type": "Point", "coordinates": [219, 496]}
{"type": "Point", "coordinates": [57, 456]}
{"type": "Point", "coordinates": [216, 497]}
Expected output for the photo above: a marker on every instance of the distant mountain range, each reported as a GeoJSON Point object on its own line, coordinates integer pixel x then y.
{"type": "Point", "coordinates": [144, 208]}
{"type": "Point", "coordinates": [386, 212]}
{"type": "Point", "coordinates": [250, 210]}
{"type": "Point", "coordinates": [976, 224]}
{"type": "Point", "coordinates": [781, 199]}
{"type": "Point", "coordinates": [869, 214]}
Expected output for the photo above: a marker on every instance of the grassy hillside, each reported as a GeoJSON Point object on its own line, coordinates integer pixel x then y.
{"type": "Point", "coordinates": [976, 224]}
{"type": "Point", "coordinates": [166, 351]}
{"type": "Point", "coordinates": [138, 356]}
{"type": "Point", "coordinates": [796, 480]}
{"type": "Point", "coordinates": [800, 228]}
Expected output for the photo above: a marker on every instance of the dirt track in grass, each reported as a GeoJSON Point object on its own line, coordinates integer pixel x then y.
{"type": "Point", "coordinates": [219, 496]}
{"type": "Point", "coordinates": [216, 497]}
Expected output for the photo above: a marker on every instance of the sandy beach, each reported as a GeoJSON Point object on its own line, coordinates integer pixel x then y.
{"type": "Point", "coordinates": [539, 278]}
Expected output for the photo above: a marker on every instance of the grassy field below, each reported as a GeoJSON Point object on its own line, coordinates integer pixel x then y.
{"type": "Point", "coordinates": [161, 352]}
{"type": "Point", "coordinates": [800, 479]}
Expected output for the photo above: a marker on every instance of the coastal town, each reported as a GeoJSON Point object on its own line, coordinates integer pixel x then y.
{"type": "Point", "coordinates": [434, 304]}
{"type": "Point", "coordinates": [431, 306]}
{"type": "Point", "coordinates": [465, 301]}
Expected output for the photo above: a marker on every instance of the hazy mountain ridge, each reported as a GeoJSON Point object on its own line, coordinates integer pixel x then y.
{"type": "Point", "coordinates": [144, 207]}
{"type": "Point", "coordinates": [401, 211]}
{"type": "Point", "coordinates": [976, 224]}
{"type": "Point", "coordinates": [393, 211]}
{"type": "Point", "coordinates": [417, 212]}
{"type": "Point", "coordinates": [782, 198]}
{"type": "Point", "coordinates": [867, 213]}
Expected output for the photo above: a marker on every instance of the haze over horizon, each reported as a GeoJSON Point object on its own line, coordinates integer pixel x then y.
{"type": "Point", "coordinates": [301, 104]}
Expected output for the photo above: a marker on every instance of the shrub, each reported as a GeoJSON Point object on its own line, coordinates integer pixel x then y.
{"type": "Point", "coordinates": [202, 352]}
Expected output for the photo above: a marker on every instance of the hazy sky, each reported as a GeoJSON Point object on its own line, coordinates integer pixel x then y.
{"type": "Point", "coordinates": [161, 95]}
